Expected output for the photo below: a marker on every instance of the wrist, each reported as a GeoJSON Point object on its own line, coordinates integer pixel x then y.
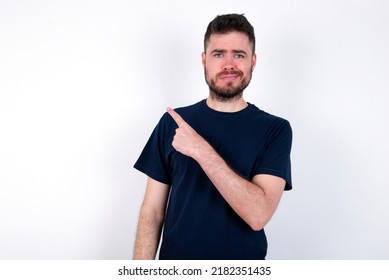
{"type": "Point", "coordinates": [202, 151]}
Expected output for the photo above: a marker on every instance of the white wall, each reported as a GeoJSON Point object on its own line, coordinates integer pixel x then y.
{"type": "Point", "coordinates": [83, 83]}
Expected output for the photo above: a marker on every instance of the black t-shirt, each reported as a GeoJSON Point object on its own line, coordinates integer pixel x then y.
{"type": "Point", "coordinates": [199, 223]}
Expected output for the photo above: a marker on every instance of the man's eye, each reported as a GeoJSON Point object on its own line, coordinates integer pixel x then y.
{"type": "Point", "coordinates": [217, 55]}
{"type": "Point", "coordinates": [238, 55]}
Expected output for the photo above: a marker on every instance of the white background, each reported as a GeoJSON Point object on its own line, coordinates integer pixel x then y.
{"type": "Point", "coordinates": [83, 83]}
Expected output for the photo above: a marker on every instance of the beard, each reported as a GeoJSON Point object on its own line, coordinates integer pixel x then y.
{"type": "Point", "coordinates": [229, 92]}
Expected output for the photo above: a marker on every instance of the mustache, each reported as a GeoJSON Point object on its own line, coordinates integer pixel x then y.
{"type": "Point", "coordinates": [230, 72]}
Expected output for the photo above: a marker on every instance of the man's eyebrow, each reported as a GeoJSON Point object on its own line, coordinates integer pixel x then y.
{"type": "Point", "coordinates": [239, 51]}
{"type": "Point", "coordinates": [224, 51]}
{"type": "Point", "coordinates": [219, 51]}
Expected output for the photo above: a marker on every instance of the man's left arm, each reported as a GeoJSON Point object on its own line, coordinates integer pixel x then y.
{"type": "Point", "coordinates": [254, 201]}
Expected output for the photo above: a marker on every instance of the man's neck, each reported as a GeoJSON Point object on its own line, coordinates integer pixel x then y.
{"type": "Point", "coordinates": [230, 106]}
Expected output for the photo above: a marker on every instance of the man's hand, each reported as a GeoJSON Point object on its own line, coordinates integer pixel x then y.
{"type": "Point", "coordinates": [186, 140]}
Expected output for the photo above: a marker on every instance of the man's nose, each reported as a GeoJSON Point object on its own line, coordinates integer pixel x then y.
{"type": "Point", "coordinates": [229, 64]}
{"type": "Point", "coordinates": [228, 68]}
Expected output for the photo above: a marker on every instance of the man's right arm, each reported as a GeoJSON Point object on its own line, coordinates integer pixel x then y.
{"type": "Point", "coordinates": [151, 218]}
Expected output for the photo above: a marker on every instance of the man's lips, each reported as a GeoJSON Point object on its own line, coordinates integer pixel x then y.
{"type": "Point", "coordinates": [228, 77]}
{"type": "Point", "coordinates": [231, 75]}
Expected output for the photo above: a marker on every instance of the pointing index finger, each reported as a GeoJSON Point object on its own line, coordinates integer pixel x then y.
{"type": "Point", "coordinates": [176, 117]}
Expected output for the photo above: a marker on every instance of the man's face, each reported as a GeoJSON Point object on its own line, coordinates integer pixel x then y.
{"type": "Point", "coordinates": [228, 64]}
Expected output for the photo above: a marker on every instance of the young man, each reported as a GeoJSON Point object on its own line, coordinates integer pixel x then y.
{"type": "Point", "coordinates": [216, 169]}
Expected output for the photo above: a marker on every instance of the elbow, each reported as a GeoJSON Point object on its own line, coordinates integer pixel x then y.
{"type": "Point", "coordinates": [256, 220]}
{"type": "Point", "coordinates": [258, 224]}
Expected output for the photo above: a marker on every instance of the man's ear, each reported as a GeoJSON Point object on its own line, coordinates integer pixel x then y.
{"type": "Point", "coordinates": [254, 61]}
{"type": "Point", "coordinates": [203, 58]}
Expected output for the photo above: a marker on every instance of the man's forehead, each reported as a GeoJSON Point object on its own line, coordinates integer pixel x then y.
{"type": "Point", "coordinates": [229, 41]}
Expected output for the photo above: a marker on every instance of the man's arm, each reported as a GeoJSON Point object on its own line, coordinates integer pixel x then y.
{"type": "Point", "coordinates": [255, 202]}
{"type": "Point", "coordinates": [151, 218]}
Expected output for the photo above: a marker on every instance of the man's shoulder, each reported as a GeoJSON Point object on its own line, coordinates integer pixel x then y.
{"type": "Point", "coordinates": [190, 112]}
{"type": "Point", "coordinates": [189, 108]}
{"type": "Point", "coordinates": [184, 112]}
{"type": "Point", "coordinates": [270, 118]}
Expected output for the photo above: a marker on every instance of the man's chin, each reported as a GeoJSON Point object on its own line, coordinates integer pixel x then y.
{"type": "Point", "coordinates": [225, 96]}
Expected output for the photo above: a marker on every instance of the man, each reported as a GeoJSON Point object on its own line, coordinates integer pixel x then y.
{"type": "Point", "coordinates": [216, 169]}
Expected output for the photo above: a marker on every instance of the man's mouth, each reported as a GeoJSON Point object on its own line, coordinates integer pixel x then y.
{"type": "Point", "coordinates": [229, 75]}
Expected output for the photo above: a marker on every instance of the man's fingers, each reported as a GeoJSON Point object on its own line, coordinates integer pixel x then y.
{"type": "Point", "coordinates": [176, 117]}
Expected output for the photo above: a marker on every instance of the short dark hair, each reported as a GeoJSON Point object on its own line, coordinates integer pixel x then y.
{"type": "Point", "coordinates": [223, 24]}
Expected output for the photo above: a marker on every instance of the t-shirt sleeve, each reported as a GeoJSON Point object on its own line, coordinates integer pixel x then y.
{"type": "Point", "coordinates": [275, 159]}
{"type": "Point", "coordinates": [153, 161]}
